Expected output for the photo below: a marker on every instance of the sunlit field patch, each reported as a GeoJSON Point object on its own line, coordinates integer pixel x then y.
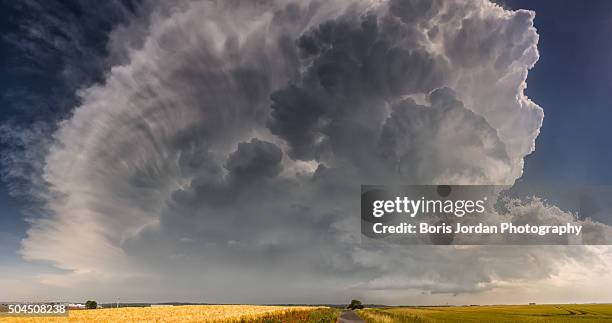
{"type": "Point", "coordinates": [196, 313]}
{"type": "Point", "coordinates": [585, 313]}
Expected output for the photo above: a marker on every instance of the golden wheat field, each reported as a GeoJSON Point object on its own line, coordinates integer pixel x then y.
{"type": "Point", "coordinates": [581, 313]}
{"type": "Point", "coordinates": [193, 313]}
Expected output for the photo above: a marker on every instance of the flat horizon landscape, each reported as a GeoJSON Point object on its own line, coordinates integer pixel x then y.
{"type": "Point", "coordinates": [585, 313]}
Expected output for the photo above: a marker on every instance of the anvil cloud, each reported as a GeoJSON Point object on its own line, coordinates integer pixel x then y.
{"type": "Point", "coordinates": [229, 140]}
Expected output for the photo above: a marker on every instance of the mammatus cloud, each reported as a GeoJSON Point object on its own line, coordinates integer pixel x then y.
{"type": "Point", "coordinates": [229, 143]}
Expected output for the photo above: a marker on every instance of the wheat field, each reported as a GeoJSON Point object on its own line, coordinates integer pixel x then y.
{"type": "Point", "coordinates": [193, 313]}
{"type": "Point", "coordinates": [582, 313]}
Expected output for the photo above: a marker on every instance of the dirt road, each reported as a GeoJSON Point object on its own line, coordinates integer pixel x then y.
{"type": "Point", "coordinates": [349, 317]}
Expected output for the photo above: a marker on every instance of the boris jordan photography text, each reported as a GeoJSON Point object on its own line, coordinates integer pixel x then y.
{"type": "Point", "coordinates": [480, 228]}
{"type": "Point", "coordinates": [471, 214]}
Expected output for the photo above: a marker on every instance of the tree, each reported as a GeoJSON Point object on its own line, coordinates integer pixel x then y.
{"type": "Point", "coordinates": [91, 305]}
{"type": "Point", "coordinates": [355, 305]}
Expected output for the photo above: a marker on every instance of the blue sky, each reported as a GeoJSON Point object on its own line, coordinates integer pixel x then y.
{"type": "Point", "coordinates": [572, 81]}
{"type": "Point", "coordinates": [12, 228]}
{"type": "Point", "coordinates": [34, 86]}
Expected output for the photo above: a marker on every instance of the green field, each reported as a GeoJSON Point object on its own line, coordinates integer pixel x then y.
{"type": "Point", "coordinates": [499, 313]}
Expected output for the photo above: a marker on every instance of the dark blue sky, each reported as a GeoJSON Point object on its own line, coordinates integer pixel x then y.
{"type": "Point", "coordinates": [572, 81]}
{"type": "Point", "coordinates": [47, 52]}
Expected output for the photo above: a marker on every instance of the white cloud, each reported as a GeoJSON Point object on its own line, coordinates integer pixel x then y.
{"type": "Point", "coordinates": [159, 160]}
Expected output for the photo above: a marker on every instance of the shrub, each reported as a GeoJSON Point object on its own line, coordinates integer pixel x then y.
{"type": "Point", "coordinates": [355, 305]}
{"type": "Point", "coordinates": [91, 305]}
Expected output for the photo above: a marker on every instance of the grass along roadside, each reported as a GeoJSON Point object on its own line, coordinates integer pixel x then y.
{"type": "Point", "coordinates": [382, 316]}
{"type": "Point", "coordinates": [320, 315]}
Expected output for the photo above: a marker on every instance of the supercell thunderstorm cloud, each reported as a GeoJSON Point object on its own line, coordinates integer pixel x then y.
{"type": "Point", "coordinates": [222, 152]}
